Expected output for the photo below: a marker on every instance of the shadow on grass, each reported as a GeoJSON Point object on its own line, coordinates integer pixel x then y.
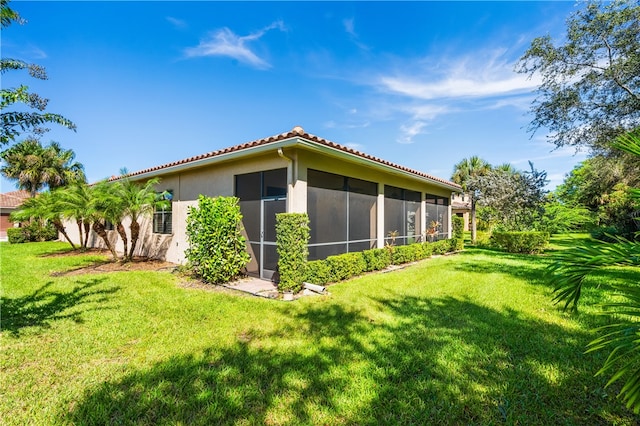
{"type": "Point", "coordinates": [407, 360]}
{"type": "Point", "coordinates": [44, 305]}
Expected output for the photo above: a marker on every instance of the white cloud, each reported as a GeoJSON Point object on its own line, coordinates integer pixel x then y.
{"type": "Point", "coordinates": [225, 42]}
{"type": "Point", "coordinates": [480, 76]}
{"type": "Point", "coordinates": [178, 23]}
{"type": "Point", "coordinates": [409, 131]}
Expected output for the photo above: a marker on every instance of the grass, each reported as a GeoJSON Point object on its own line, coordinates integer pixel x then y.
{"type": "Point", "coordinates": [471, 338]}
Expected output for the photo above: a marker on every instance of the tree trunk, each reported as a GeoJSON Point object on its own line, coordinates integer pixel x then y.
{"type": "Point", "coordinates": [473, 221]}
{"type": "Point", "coordinates": [60, 227]}
{"type": "Point", "coordinates": [135, 233]}
{"type": "Point", "coordinates": [87, 228]}
{"type": "Point", "coordinates": [99, 228]}
{"type": "Point", "coordinates": [79, 222]}
{"type": "Point", "coordinates": [123, 234]}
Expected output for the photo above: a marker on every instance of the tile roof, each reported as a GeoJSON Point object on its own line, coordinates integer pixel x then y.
{"type": "Point", "coordinates": [296, 132]}
{"type": "Point", "coordinates": [13, 199]}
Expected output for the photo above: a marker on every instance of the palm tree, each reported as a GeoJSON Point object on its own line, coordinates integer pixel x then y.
{"type": "Point", "coordinates": [569, 271]}
{"type": "Point", "coordinates": [138, 200]}
{"type": "Point", "coordinates": [113, 207]}
{"type": "Point", "coordinates": [463, 173]}
{"type": "Point", "coordinates": [45, 208]}
{"type": "Point", "coordinates": [76, 203]}
{"type": "Point", "coordinates": [34, 166]}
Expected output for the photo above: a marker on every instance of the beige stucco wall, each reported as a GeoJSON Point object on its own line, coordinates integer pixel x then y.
{"type": "Point", "coordinates": [219, 179]}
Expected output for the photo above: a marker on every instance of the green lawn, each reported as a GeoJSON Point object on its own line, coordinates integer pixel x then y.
{"type": "Point", "coordinates": [471, 338]}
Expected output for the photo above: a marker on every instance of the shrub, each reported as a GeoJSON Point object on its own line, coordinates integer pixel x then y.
{"type": "Point", "coordinates": [347, 265]}
{"type": "Point", "coordinates": [318, 272]}
{"type": "Point", "coordinates": [458, 233]}
{"type": "Point", "coordinates": [217, 251]}
{"type": "Point", "coordinates": [403, 254]}
{"type": "Point", "coordinates": [31, 232]}
{"type": "Point", "coordinates": [441, 247]}
{"type": "Point", "coordinates": [292, 236]}
{"type": "Point", "coordinates": [17, 235]}
{"type": "Point", "coordinates": [376, 259]}
{"type": "Point", "coordinates": [521, 241]}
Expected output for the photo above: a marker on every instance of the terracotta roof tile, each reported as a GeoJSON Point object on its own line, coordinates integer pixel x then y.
{"type": "Point", "coordinates": [13, 199]}
{"type": "Point", "coordinates": [295, 132]}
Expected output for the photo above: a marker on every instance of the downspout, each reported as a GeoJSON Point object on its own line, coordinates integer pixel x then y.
{"type": "Point", "coordinates": [289, 179]}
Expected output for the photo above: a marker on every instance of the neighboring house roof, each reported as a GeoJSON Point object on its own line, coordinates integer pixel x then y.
{"type": "Point", "coordinates": [297, 136]}
{"type": "Point", "coordinates": [11, 200]}
{"type": "Point", "coordinates": [461, 205]}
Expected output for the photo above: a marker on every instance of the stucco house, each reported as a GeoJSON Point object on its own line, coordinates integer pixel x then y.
{"type": "Point", "coordinates": [9, 201]}
{"type": "Point", "coordinates": [354, 201]}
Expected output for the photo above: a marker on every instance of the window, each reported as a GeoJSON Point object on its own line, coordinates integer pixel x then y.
{"type": "Point", "coordinates": [108, 225]}
{"type": "Point", "coordinates": [342, 214]}
{"type": "Point", "coordinates": [401, 215]}
{"type": "Point", "coordinates": [162, 214]}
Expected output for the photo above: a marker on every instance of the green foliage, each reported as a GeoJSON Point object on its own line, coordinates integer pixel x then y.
{"type": "Point", "coordinates": [347, 265]}
{"type": "Point", "coordinates": [404, 254]}
{"type": "Point", "coordinates": [292, 237]}
{"type": "Point", "coordinates": [17, 235]}
{"type": "Point", "coordinates": [441, 247]}
{"type": "Point", "coordinates": [590, 90]}
{"type": "Point", "coordinates": [217, 251]}
{"type": "Point", "coordinates": [15, 123]}
{"type": "Point", "coordinates": [458, 233]}
{"type": "Point", "coordinates": [376, 259]}
{"type": "Point", "coordinates": [570, 271]}
{"type": "Point", "coordinates": [35, 166]}
{"type": "Point", "coordinates": [318, 272]}
{"type": "Point", "coordinates": [559, 217]}
{"type": "Point", "coordinates": [529, 242]}
{"type": "Point", "coordinates": [465, 174]}
{"type": "Point", "coordinates": [32, 232]}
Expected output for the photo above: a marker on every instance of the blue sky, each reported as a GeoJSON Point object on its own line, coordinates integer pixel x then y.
{"type": "Point", "coordinates": [422, 84]}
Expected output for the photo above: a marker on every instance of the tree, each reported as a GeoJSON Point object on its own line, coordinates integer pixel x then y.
{"type": "Point", "coordinates": [599, 184]}
{"type": "Point", "coordinates": [463, 172]}
{"type": "Point", "coordinates": [137, 201]}
{"type": "Point", "coordinates": [34, 166]}
{"type": "Point", "coordinates": [76, 202]}
{"type": "Point", "coordinates": [590, 91]}
{"type": "Point", "coordinates": [44, 208]}
{"type": "Point", "coordinates": [14, 123]}
{"type": "Point", "coordinates": [514, 198]}
{"type": "Point", "coordinates": [570, 270]}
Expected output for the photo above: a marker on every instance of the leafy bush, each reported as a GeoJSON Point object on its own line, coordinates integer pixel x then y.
{"type": "Point", "coordinates": [521, 241]}
{"type": "Point", "coordinates": [217, 251]}
{"type": "Point", "coordinates": [441, 247]}
{"type": "Point", "coordinates": [403, 254]}
{"type": "Point", "coordinates": [17, 235]}
{"type": "Point", "coordinates": [32, 232]}
{"type": "Point", "coordinates": [347, 265]}
{"type": "Point", "coordinates": [458, 233]}
{"type": "Point", "coordinates": [376, 259]}
{"type": "Point", "coordinates": [292, 236]}
{"type": "Point", "coordinates": [318, 272]}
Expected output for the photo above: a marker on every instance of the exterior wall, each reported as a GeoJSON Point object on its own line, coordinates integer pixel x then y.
{"type": "Point", "coordinates": [219, 179]}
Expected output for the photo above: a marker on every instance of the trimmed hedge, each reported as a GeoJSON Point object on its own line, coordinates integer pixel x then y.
{"type": "Point", "coordinates": [17, 235]}
{"type": "Point", "coordinates": [376, 259]}
{"type": "Point", "coordinates": [458, 233]}
{"type": "Point", "coordinates": [292, 236]}
{"type": "Point", "coordinates": [348, 265]}
{"type": "Point", "coordinates": [521, 242]}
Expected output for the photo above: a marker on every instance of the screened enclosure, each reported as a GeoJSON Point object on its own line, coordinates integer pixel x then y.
{"type": "Point", "coordinates": [262, 195]}
{"type": "Point", "coordinates": [401, 215]}
{"type": "Point", "coordinates": [342, 214]}
{"type": "Point", "coordinates": [437, 217]}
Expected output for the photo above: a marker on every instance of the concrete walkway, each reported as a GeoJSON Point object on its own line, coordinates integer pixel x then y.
{"type": "Point", "coordinates": [255, 286]}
